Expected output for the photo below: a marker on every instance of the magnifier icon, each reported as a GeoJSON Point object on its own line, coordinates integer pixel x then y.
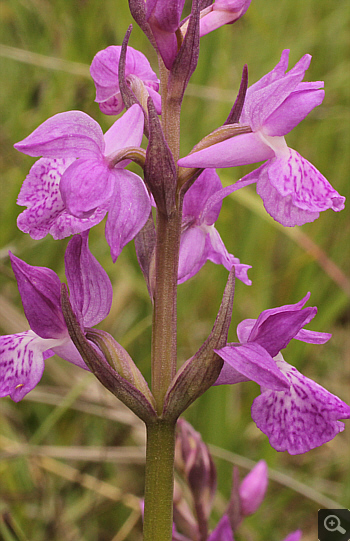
{"type": "Point", "coordinates": [332, 524]}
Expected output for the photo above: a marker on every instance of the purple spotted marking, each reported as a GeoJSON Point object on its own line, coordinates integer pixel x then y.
{"type": "Point", "coordinates": [301, 418]}
{"type": "Point", "coordinates": [22, 358]}
{"type": "Point", "coordinates": [46, 212]}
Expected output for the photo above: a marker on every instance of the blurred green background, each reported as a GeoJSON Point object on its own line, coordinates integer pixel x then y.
{"type": "Point", "coordinates": [71, 456]}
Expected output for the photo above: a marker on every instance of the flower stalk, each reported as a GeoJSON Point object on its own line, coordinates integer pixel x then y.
{"type": "Point", "coordinates": [158, 517]}
{"type": "Point", "coordinates": [165, 310]}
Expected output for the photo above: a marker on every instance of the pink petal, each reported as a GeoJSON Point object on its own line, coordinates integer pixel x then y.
{"type": "Point", "coordinates": [46, 213]}
{"type": "Point", "coordinates": [105, 66]}
{"type": "Point", "coordinates": [248, 329]}
{"type": "Point", "coordinates": [86, 185]}
{"type": "Point", "coordinates": [301, 418]}
{"type": "Point", "coordinates": [293, 110]}
{"type": "Point", "coordinates": [223, 531]}
{"type": "Point", "coordinates": [216, 251]}
{"type": "Point", "coordinates": [22, 362]}
{"type": "Point", "coordinates": [244, 329]}
{"type": "Point", "coordinates": [215, 19]}
{"type": "Point", "coordinates": [253, 488]}
{"type": "Point", "coordinates": [281, 208]}
{"type": "Point", "coordinates": [66, 135]}
{"type": "Point", "coordinates": [90, 288]}
{"type": "Point", "coordinates": [129, 210]}
{"type": "Point", "coordinates": [157, 99]}
{"type": "Point", "coordinates": [309, 189]}
{"type": "Point", "coordinates": [40, 290]}
{"type": "Point", "coordinates": [240, 150]}
{"type": "Point", "coordinates": [112, 106]}
{"type": "Point", "coordinates": [127, 131]}
{"type": "Point", "coordinates": [69, 352]}
{"type": "Point", "coordinates": [271, 91]}
{"type": "Point", "coordinates": [207, 184]}
{"type": "Point", "coordinates": [230, 376]}
{"type": "Point", "coordinates": [253, 362]}
{"type": "Point", "coordinates": [192, 257]}
{"type": "Point", "coordinates": [313, 337]}
{"type": "Point", "coordinates": [166, 43]}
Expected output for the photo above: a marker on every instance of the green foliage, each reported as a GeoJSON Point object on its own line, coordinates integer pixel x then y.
{"type": "Point", "coordinates": [43, 497]}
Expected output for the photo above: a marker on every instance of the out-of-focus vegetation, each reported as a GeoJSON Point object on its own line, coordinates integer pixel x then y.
{"type": "Point", "coordinates": [71, 456]}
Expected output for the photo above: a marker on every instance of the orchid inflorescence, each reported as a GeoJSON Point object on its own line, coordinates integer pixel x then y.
{"type": "Point", "coordinates": [81, 176]}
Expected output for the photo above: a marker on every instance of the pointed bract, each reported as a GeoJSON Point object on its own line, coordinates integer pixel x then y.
{"type": "Point", "coordinates": [185, 62]}
{"type": "Point", "coordinates": [201, 371]}
{"type": "Point", "coordinates": [110, 379]}
{"type": "Point", "coordinates": [160, 171]}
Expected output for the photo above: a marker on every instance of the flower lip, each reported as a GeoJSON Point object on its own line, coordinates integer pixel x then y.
{"type": "Point", "coordinates": [301, 418]}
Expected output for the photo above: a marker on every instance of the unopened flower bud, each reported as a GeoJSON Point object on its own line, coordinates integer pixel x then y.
{"type": "Point", "coordinates": [192, 457]}
{"type": "Point", "coordinates": [252, 489]}
{"type": "Point", "coordinates": [183, 516]}
{"type": "Point", "coordinates": [294, 536]}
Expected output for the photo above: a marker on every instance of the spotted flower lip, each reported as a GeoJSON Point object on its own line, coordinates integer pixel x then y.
{"type": "Point", "coordinates": [293, 191]}
{"type": "Point", "coordinates": [200, 240]}
{"type": "Point", "coordinates": [295, 413]}
{"type": "Point", "coordinates": [301, 418]}
{"type": "Point", "coordinates": [23, 355]}
{"type": "Point", "coordinates": [104, 71]}
{"type": "Point", "coordinates": [76, 183]}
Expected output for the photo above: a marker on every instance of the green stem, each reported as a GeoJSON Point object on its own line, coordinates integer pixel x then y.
{"type": "Point", "coordinates": [158, 517]}
{"type": "Point", "coordinates": [164, 314]}
{"type": "Point", "coordinates": [171, 110]}
{"type": "Point", "coordinates": [159, 483]}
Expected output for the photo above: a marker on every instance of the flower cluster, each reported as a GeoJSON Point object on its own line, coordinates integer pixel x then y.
{"type": "Point", "coordinates": [81, 177]}
{"type": "Point", "coordinates": [294, 192]}
{"type": "Point", "coordinates": [295, 413]}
